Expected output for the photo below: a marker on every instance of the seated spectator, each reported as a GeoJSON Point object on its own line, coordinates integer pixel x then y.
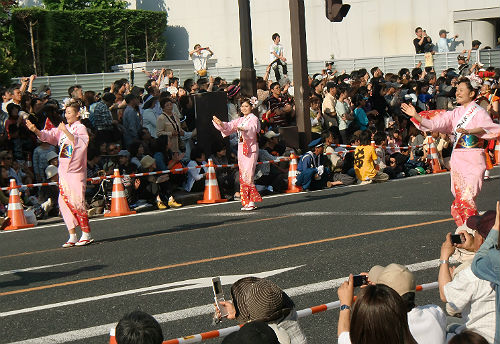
{"type": "Point", "coordinates": [427, 323]}
{"type": "Point", "coordinates": [166, 159]}
{"type": "Point", "coordinates": [486, 263]}
{"type": "Point", "coordinates": [280, 111]}
{"type": "Point", "coordinates": [271, 176]}
{"type": "Point", "coordinates": [256, 299]}
{"type": "Point", "coordinates": [379, 315]}
{"type": "Point", "coordinates": [466, 293]}
{"type": "Point", "coordinates": [312, 173]}
{"type": "Point", "coordinates": [380, 139]}
{"type": "Point", "coordinates": [53, 159]}
{"type": "Point", "coordinates": [227, 178]}
{"type": "Point", "coordinates": [336, 163]}
{"type": "Point", "coordinates": [195, 181]}
{"type": "Point", "coordinates": [423, 43]}
{"type": "Point", "coordinates": [252, 333]}
{"type": "Point", "coordinates": [154, 189]}
{"type": "Point", "coordinates": [364, 161]}
{"type": "Point", "coordinates": [468, 337]}
{"type": "Point", "coordinates": [136, 150]}
{"type": "Point", "coordinates": [272, 144]}
{"type": "Point", "coordinates": [138, 328]}
{"type": "Point", "coordinates": [48, 195]}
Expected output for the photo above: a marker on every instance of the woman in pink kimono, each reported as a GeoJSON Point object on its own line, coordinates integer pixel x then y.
{"type": "Point", "coordinates": [471, 125]}
{"type": "Point", "coordinates": [73, 141]}
{"type": "Point", "coordinates": [247, 126]}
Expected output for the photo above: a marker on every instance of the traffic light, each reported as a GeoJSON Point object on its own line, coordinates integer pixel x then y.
{"type": "Point", "coordinates": [336, 10]}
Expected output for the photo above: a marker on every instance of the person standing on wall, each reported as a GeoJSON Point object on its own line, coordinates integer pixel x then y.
{"type": "Point", "coordinates": [200, 57]}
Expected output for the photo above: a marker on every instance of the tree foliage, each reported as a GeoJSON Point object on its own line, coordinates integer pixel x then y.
{"type": "Point", "coordinates": [7, 46]}
{"type": "Point", "coordinates": [84, 4]}
{"type": "Point", "coordinates": [86, 41]}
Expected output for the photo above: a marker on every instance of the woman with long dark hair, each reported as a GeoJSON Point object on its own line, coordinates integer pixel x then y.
{"type": "Point", "coordinates": [379, 316]}
{"type": "Point", "coordinates": [470, 125]}
{"type": "Point", "coordinates": [247, 126]}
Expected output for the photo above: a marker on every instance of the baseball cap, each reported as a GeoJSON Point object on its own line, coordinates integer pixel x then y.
{"type": "Point", "coordinates": [482, 223]}
{"type": "Point", "coordinates": [476, 42]}
{"type": "Point", "coordinates": [442, 31]}
{"type": "Point", "coordinates": [50, 171]}
{"type": "Point", "coordinates": [270, 134]}
{"type": "Point", "coordinates": [395, 276]}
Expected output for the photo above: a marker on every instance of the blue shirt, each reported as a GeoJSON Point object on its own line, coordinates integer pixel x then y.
{"type": "Point", "coordinates": [486, 265]}
{"type": "Point", "coordinates": [361, 118]}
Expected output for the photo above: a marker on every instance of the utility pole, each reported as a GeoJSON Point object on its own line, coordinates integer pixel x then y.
{"type": "Point", "coordinates": [247, 73]}
{"type": "Point", "coordinates": [300, 72]}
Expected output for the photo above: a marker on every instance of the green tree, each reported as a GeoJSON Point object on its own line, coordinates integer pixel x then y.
{"type": "Point", "coordinates": [70, 5]}
{"type": "Point", "coordinates": [7, 46]}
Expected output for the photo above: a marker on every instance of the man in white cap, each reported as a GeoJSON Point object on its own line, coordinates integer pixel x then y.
{"type": "Point", "coordinates": [49, 194]}
{"type": "Point", "coordinates": [427, 323]}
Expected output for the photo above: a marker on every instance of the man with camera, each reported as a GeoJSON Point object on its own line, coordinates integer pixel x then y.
{"type": "Point", "coordinates": [200, 57]}
{"type": "Point", "coordinates": [423, 43]}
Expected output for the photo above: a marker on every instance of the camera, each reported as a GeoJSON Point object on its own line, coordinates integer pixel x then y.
{"type": "Point", "coordinates": [457, 238]}
{"type": "Point", "coordinates": [359, 280]}
{"type": "Point", "coordinates": [219, 296]}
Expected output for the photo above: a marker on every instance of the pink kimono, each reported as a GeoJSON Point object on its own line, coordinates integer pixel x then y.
{"type": "Point", "coordinates": [248, 153]}
{"type": "Point", "coordinates": [467, 160]}
{"type": "Point", "coordinates": [72, 173]}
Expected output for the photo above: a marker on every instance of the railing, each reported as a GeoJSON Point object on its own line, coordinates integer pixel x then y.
{"type": "Point", "coordinates": [389, 64]}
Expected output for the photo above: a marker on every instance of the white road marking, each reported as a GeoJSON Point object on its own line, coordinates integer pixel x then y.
{"type": "Point", "coordinates": [181, 285]}
{"type": "Point", "coordinates": [156, 213]}
{"type": "Point", "coordinates": [201, 310]}
{"type": "Point", "coordinates": [11, 272]}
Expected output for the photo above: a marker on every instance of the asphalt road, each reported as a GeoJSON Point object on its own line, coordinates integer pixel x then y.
{"type": "Point", "coordinates": [162, 262]}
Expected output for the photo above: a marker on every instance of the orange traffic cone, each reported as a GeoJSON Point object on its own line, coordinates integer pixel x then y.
{"type": "Point", "coordinates": [292, 175]}
{"type": "Point", "coordinates": [119, 204]}
{"type": "Point", "coordinates": [497, 152]}
{"type": "Point", "coordinates": [433, 153]}
{"type": "Point", "coordinates": [15, 211]}
{"type": "Point", "coordinates": [112, 337]}
{"type": "Point", "coordinates": [212, 193]}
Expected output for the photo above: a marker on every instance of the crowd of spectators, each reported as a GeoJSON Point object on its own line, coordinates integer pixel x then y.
{"type": "Point", "coordinates": [153, 128]}
{"type": "Point", "coordinates": [385, 310]}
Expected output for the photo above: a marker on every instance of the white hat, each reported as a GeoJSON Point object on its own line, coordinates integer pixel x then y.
{"type": "Point", "coordinates": [51, 155]}
{"type": "Point", "coordinates": [50, 171]}
{"type": "Point", "coordinates": [270, 134]}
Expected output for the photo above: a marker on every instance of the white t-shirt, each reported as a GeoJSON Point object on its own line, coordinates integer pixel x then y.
{"type": "Point", "coordinates": [200, 60]}
{"type": "Point", "coordinates": [475, 299]}
{"type": "Point", "coordinates": [427, 325]}
{"type": "Point", "coordinates": [276, 48]}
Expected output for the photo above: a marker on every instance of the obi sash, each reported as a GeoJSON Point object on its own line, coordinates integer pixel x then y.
{"type": "Point", "coordinates": [470, 141]}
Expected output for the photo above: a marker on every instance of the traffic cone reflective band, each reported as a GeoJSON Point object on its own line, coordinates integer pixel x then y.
{"type": "Point", "coordinates": [211, 194]}
{"type": "Point", "coordinates": [15, 211]}
{"type": "Point", "coordinates": [119, 204]}
{"type": "Point", "coordinates": [112, 337]}
{"type": "Point", "coordinates": [433, 154]}
{"type": "Point", "coordinates": [497, 152]}
{"type": "Point", "coordinates": [292, 175]}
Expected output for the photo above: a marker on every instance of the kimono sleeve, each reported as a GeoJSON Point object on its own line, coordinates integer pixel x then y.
{"type": "Point", "coordinates": [50, 136]}
{"type": "Point", "coordinates": [442, 123]}
{"type": "Point", "coordinates": [484, 121]}
{"type": "Point", "coordinates": [81, 138]}
{"type": "Point", "coordinates": [227, 128]}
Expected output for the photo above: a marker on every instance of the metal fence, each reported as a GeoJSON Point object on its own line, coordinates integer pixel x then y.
{"type": "Point", "coordinates": [389, 64]}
